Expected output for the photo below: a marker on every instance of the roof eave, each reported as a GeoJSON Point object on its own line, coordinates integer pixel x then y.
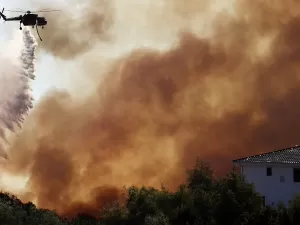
{"type": "Point", "coordinates": [243, 163]}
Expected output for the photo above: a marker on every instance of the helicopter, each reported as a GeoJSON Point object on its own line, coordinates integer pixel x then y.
{"type": "Point", "coordinates": [28, 19]}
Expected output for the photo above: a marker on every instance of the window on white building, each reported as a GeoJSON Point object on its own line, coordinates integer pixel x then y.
{"type": "Point", "coordinates": [269, 171]}
{"type": "Point", "coordinates": [296, 175]}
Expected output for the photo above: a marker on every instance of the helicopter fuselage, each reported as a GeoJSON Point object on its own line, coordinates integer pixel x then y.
{"type": "Point", "coordinates": [33, 19]}
{"type": "Point", "coordinates": [28, 19]}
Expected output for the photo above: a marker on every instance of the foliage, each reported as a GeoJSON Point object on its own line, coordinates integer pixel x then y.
{"type": "Point", "coordinates": [201, 200]}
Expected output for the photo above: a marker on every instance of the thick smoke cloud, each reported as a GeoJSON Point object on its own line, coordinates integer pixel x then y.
{"type": "Point", "coordinates": [15, 75]}
{"type": "Point", "coordinates": [71, 33]}
{"type": "Point", "coordinates": [233, 94]}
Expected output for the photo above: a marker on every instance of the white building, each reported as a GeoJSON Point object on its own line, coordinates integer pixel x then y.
{"type": "Point", "coordinates": [276, 175]}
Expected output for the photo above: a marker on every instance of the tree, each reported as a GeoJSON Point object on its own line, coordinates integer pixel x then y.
{"type": "Point", "coordinates": [294, 211]}
{"type": "Point", "coordinates": [157, 219]}
{"type": "Point", "coordinates": [202, 200]}
{"type": "Point", "coordinates": [237, 200]}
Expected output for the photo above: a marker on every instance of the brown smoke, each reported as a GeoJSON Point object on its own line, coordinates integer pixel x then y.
{"type": "Point", "coordinates": [217, 98]}
{"type": "Point", "coordinates": [70, 33]}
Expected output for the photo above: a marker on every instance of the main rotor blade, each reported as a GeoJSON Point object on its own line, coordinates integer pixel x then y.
{"type": "Point", "coordinates": [47, 11]}
{"type": "Point", "coordinates": [20, 11]}
{"type": "Point", "coordinates": [24, 11]}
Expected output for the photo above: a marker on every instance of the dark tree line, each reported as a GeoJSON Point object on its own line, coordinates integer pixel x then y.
{"type": "Point", "coordinates": [202, 200]}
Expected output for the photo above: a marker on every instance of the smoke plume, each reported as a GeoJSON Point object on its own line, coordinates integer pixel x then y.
{"type": "Point", "coordinates": [74, 31]}
{"type": "Point", "coordinates": [16, 73]}
{"type": "Point", "coordinates": [218, 93]}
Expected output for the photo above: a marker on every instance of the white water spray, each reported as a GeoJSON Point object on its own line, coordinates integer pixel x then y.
{"type": "Point", "coordinates": [15, 75]}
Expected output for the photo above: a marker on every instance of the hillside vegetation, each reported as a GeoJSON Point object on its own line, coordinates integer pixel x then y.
{"type": "Point", "coordinates": [202, 200]}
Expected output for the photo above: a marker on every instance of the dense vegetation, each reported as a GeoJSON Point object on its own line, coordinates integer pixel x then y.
{"type": "Point", "coordinates": [202, 200]}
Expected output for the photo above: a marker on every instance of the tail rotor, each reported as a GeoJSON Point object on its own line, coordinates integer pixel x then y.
{"type": "Point", "coordinates": [1, 13]}
{"type": "Point", "coordinates": [2, 16]}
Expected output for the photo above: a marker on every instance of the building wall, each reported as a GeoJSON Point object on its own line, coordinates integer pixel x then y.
{"type": "Point", "coordinates": [272, 187]}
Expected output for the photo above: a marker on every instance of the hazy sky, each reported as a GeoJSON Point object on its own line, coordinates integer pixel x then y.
{"type": "Point", "coordinates": [52, 72]}
{"type": "Point", "coordinates": [45, 79]}
{"type": "Point", "coordinates": [55, 73]}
